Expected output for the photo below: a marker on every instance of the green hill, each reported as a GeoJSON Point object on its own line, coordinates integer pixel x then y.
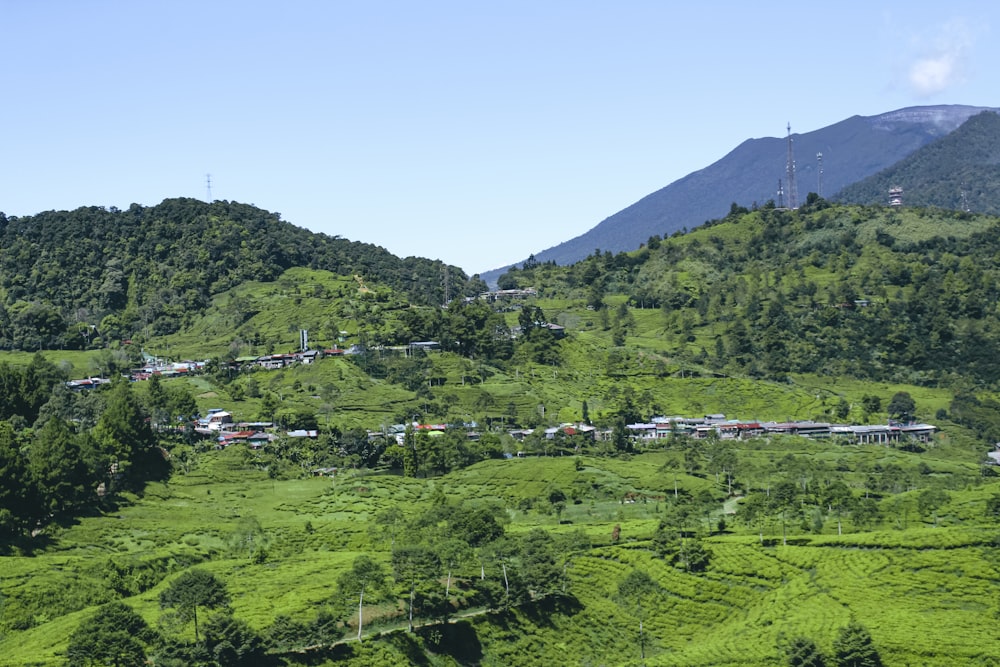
{"type": "Point", "coordinates": [89, 277]}
{"type": "Point", "coordinates": [489, 550]}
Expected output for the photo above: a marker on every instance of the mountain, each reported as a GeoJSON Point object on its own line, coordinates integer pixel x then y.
{"type": "Point", "coordinates": [153, 269]}
{"type": "Point", "coordinates": [852, 149]}
{"type": "Point", "coordinates": [960, 171]}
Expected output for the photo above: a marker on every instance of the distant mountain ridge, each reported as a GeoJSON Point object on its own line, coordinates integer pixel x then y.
{"type": "Point", "coordinates": [852, 149]}
{"type": "Point", "coordinates": [960, 171]}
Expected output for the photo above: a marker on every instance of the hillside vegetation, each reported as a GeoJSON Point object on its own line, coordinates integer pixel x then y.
{"type": "Point", "coordinates": [127, 538]}
{"type": "Point", "coordinates": [960, 171]}
{"type": "Point", "coordinates": [89, 277]}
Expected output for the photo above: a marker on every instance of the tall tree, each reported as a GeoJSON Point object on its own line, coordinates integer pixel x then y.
{"type": "Point", "coordinates": [634, 589]}
{"type": "Point", "coordinates": [57, 467]}
{"type": "Point", "coordinates": [411, 566]}
{"type": "Point", "coordinates": [16, 493]}
{"type": "Point", "coordinates": [194, 588]}
{"type": "Point", "coordinates": [365, 575]}
{"type": "Point", "coordinates": [124, 438]}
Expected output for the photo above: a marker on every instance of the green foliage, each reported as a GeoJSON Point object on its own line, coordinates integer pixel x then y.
{"type": "Point", "coordinates": [853, 647]}
{"type": "Point", "coordinates": [803, 652]}
{"type": "Point", "coordinates": [75, 279]}
{"type": "Point", "coordinates": [114, 635]}
{"type": "Point", "coordinates": [192, 589]}
{"type": "Point", "coordinates": [902, 406]}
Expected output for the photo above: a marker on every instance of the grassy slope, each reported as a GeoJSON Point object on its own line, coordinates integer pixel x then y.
{"type": "Point", "coordinates": [925, 593]}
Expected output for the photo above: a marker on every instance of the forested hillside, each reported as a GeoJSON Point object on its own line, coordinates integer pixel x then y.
{"type": "Point", "coordinates": [76, 279]}
{"type": "Point", "coordinates": [960, 171]}
{"type": "Point", "coordinates": [480, 498]}
{"type": "Point", "coordinates": [876, 293]}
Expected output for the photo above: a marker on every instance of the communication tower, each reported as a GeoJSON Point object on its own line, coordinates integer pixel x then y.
{"type": "Point", "coordinates": [781, 195]}
{"type": "Point", "coordinates": [793, 195]}
{"type": "Point", "coordinates": [819, 174]}
{"type": "Point", "coordinates": [208, 187]}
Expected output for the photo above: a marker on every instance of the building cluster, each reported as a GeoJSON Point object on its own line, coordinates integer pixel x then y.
{"type": "Point", "coordinates": [661, 428]}
{"type": "Point", "coordinates": [729, 429]}
{"type": "Point", "coordinates": [220, 426]}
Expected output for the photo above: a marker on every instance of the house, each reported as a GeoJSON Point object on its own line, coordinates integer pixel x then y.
{"type": "Point", "coordinates": [275, 361]}
{"type": "Point", "coordinates": [215, 420]}
{"type": "Point", "coordinates": [309, 356]}
{"type": "Point", "coordinates": [259, 440]}
{"type": "Point", "coordinates": [557, 330]}
{"type": "Point", "coordinates": [642, 431]}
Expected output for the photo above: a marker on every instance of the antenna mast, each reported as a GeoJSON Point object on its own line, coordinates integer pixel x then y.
{"type": "Point", "coordinates": [208, 187]}
{"type": "Point", "coordinates": [793, 195]}
{"type": "Point", "coordinates": [819, 174]}
{"type": "Point", "coordinates": [781, 195]}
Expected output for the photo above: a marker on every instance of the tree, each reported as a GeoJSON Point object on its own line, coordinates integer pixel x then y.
{"type": "Point", "coordinates": [784, 498]}
{"type": "Point", "coordinates": [992, 506]}
{"type": "Point", "coordinates": [870, 404]}
{"type": "Point", "coordinates": [803, 652]}
{"type": "Point", "coordinates": [537, 563]}
{"type": "Point", "coordinates": [16, 502]}
{"type": "Point", "coordinates": [620, 438]}
{"type": "Point", "coordinates": [853, 647]}
{"type": "Point", "coordinates": [452, 552]}
{"type": "Point", "coordinates": [233, 642]}
{"type": "Point", "coordinates": [126, 443]}
{"type": "Point", "coordinates": [754, 511]}
{"type": "Point", "coordinates": [693, 555]}
{"type": "Point", "coordinates": [365, 574]}
{"type": "Point", "coordinates": [838, 498]}
{"type": "Point", "coordinates": [388, 523]}
{"type": "Point", "coordinates": [412, 565]}
{"type": "Point", "coordinates": [193, 589]}
{"type": "Point", "coordinates": [930, 501]}
{"type": "Point", "coordinates": [636, 587]}
{"type": "Point", "coordinates": [57, 467]}
{"type": "Point", "coordinates": [902, 407]}
{"type": "Point", "coordinates": [115, 635]}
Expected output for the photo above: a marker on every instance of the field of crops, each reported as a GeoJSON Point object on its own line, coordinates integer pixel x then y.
{"type": "Point", "coordinates": [927, 594]}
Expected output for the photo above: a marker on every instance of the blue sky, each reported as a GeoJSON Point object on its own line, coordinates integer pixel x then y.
{"type": "Point", "coordinates": [472, 132]}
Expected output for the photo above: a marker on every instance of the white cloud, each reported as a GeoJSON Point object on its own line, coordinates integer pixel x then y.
{"type": "Point", "coordinates": [940, 62]}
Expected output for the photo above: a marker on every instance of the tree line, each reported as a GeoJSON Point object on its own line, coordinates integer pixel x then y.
{"type": "Point", "coordinates": [63, 453]}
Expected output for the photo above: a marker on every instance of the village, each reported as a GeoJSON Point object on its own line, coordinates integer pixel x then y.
{"type": "Point", "coordinates": [221, 425]}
